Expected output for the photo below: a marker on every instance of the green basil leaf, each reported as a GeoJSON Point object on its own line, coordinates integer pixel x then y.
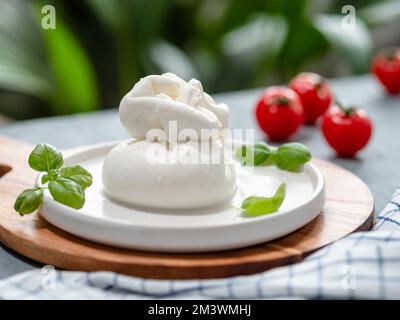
{"type": "Point", "coordinates": [292, 156]}
{"type": "Point", "coordinates": [258, 154]}
{"type": "Point", "coordinates": [28, 201]}
{"type": "Point", "coordinates": [45, 158]}
{"type": "Point", "coordinates": [68, 192]}
{"type": "Point", "coordinates": [78, 174]}
{"type": "Point", "coordinates": [45, 178]}
{"type": "Point", "coordinates": [271, 157]}
{"type": "Point", "coordinates": [257, 206]}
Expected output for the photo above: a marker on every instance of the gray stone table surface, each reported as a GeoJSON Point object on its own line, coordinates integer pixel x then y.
{"type": "Point", "coordinates": [378, 165]}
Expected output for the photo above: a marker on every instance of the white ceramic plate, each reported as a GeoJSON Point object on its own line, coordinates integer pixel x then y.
{"type": "Point", "coordinates": [212, 229]}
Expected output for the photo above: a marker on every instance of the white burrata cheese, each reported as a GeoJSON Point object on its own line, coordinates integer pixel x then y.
{"type": "Point", "coordinates": [168, 174]}
{"type": "Point", "coordinates": [130, 176]}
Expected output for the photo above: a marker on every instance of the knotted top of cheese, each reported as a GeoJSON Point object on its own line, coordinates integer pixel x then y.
{"type": "Point", "coordinates": [156, 100]}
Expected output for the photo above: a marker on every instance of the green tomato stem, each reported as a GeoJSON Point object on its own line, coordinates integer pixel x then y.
{"type": "Point", "coordinates": [348, 111]}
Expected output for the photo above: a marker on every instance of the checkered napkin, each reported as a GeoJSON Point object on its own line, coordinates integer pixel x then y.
{"type": "Point", "coordinates": [363, 265]}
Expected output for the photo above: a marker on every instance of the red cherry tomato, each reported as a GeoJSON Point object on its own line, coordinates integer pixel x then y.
{"type": "Point", "coordinates": [279, 113]}
{"type": "Point", "coordinates": [315, 95]}
{"type": "Point", "coordinates": [386, 67]}
{"type": "Point", "coordinates": [346, 130]}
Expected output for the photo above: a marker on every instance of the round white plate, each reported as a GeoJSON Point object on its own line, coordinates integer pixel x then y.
{"type": "Point", "coordinates": [211, 229]}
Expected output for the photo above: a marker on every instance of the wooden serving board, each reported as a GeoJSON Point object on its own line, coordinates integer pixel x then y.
{"type": "Point", "coordinates": [349, 207]}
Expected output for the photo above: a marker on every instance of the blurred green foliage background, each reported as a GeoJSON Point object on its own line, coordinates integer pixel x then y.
{"type": "Point", "coordinates": [100, 48]}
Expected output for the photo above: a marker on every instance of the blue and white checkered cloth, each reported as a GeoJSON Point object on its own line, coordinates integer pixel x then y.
{"type": "Point", "coordinates": [363, 265]}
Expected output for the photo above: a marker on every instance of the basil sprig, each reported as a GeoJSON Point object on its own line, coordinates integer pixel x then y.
{"type": "Point", "coordinates": [256, 206]}
{"type": "Point", "coordinates": [289, 156]}
{"type": "Point", "coordinates": [66, 184]}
